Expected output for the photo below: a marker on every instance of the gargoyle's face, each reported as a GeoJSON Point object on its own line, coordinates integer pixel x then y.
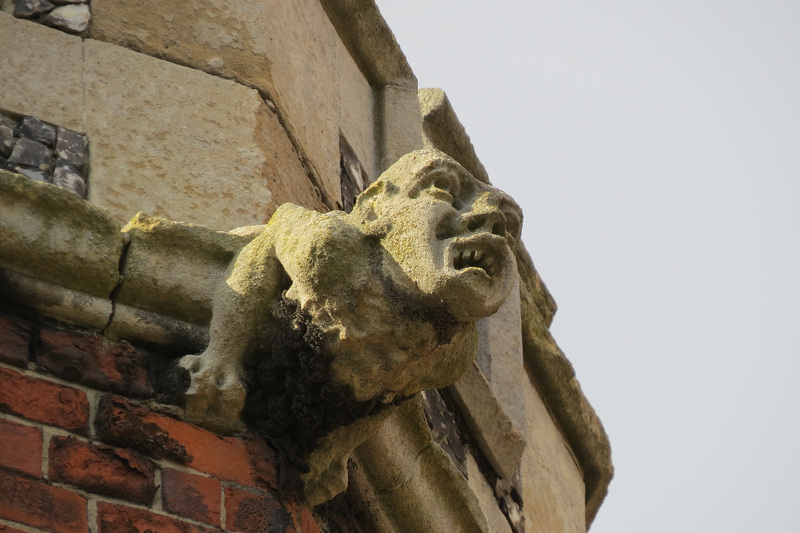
{"type": "Point", "coordinates": [450, 234]}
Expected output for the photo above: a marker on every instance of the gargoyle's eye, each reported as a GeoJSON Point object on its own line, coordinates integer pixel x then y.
{"type": "Point", "coordinates": [443, 187]}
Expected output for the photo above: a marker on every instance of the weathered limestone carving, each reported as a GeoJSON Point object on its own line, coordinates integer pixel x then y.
{"type": "Point", "coordinates": [326, 318]}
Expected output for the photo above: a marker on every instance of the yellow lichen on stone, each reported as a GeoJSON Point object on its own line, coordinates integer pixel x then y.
{"type": "Point", "coordinates": [391, 289]}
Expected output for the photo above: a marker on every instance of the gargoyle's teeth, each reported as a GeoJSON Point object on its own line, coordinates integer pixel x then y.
{"type": "Point", "coordinates": [475, 258]}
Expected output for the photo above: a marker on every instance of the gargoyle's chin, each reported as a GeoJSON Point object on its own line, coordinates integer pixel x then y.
{"type": "Point", "coordinates": [477, 276]}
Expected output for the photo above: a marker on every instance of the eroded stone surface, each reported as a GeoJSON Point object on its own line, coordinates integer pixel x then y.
{"type": "Point", "coordinates": [43, 232]}
{"type": "Point", "coordinates": [288, 49]}
{"type": "Point", "coordinates": [205, 150]}
{"type": "Point", "coordinates": [384, 298]}
{"type": "Point", "coordinates": [56, 81]}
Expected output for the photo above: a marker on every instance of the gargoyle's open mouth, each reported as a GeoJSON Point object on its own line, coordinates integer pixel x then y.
{"type": "Point", "coordinates": [476, 258]}
{"type": "Point", "coordinates": [486, 253]}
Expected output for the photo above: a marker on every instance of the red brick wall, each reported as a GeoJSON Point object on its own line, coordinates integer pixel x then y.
{"type": "Point", "coordinates": [84, 447]}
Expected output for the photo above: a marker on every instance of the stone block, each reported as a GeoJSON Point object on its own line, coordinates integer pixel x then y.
{"type": "Point", "coordinates": [498, 522]}
{"type": "Point", "coordinates": [500, 357]}
{"type": "Point", "coordinates": [553, 490]}
{"type": "Point", "coordinates": [43, 232]}
{"type": "Point", "coordinates": [356, 108]}
{"type": "Point", "coordinates": [499, 439]}
{"type": "Point", "coordinates": [398, 124]}
{"type": "Point", "coordinates": [555, 380]}
{"type": "Point", "coordinates": [288, 50]}
{"type": "Point", "coordinates": [173, 268]}
{"type": "Point", "coordinates": [443, 131]}
{"type": "Point", "coordinates": [42, 72]}
{"type": "Point", "coordinates": [176, 142]}
{"type": "Point", "coordinates": [223, 38]}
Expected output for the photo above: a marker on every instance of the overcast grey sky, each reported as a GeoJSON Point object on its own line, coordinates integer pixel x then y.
{"type": "Point", "coordinates": [655, 150]}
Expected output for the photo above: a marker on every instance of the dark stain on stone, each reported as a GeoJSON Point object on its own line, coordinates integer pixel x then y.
{"type": "Point", "coordinates": [170, 380]}
{"type": "Point", "coordinates": [292, 401]}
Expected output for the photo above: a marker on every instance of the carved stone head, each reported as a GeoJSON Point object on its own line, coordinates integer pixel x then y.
{"type": "Point", "coordinates": [450, 234]}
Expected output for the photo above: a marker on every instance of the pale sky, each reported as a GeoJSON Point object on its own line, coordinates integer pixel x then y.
{"type": "Point", "coordinates": [655, 150]}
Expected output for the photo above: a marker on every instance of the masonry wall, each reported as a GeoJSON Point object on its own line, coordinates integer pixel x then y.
{"type": "Point", "coordinates": [215, 112]}
{"type": "Point", "coordinates": [86, 446]}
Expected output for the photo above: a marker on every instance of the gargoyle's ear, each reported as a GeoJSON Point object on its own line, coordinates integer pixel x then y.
{"type": "Point", "coordinates": [368, 209]}
{"type": "Point", "coordinates": [366, 203]}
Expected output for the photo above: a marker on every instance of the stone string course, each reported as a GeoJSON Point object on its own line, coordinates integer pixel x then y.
{"type": "Point", "coordinates": [85, 446]}
{"type": "Point", "coordinates": [42, 152]}
{"type": "Point", "coordinates": [72, 16]}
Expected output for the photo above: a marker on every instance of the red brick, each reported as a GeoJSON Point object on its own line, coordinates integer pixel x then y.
{"type": "Point", "coordinates": [37, 504]}
{"type": "Point", "coordinates": [191, 496]}
{"type": "Point", "coordinates": [248, 512]}
{"type": "Point", "coordinates": [123, 474]}
{"type": "Point", "coordinates": [248, 462]}
{"type": "Point", "coordinates": [21, 448]}
{"type": "Point", "coordinates": [113, 518]}
{"type": "Point", "coordinates": [15, 338]}
{"type": "Point", "coordinates": [43, 401]}
{"type": "Point", "coordinates": [94, 361]}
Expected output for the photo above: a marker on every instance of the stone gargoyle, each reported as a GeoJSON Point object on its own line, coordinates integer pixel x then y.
{"type": "Point", "coordinates": [326, 320]}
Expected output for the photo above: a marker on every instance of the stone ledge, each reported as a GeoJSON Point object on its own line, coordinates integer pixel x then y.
{"type": "Point", "coordinates": [500, 441]}
{"type": "Point", "coordinates": [52, 235]}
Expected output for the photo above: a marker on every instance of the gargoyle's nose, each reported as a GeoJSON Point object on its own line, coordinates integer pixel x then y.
{"type": "Point", "coordinates": [485, 215]}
